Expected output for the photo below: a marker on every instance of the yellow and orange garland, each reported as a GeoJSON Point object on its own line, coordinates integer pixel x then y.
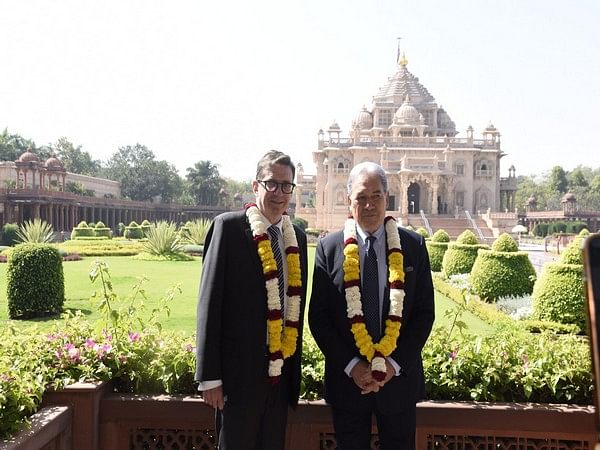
{"type": "Point", "coordinates": [282, 340]}
{"type": "Point", "coordinates": [374, 352]}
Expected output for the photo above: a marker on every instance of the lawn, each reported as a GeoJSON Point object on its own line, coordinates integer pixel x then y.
{"type": "Point", "coordinates": [125, 273]}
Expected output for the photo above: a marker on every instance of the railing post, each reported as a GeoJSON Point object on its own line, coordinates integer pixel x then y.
{"type": "Point", "coordinates": [84, 399]}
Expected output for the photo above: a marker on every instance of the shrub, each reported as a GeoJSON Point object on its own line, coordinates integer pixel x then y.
{"type": "Point", "coordinates": [573, 253]}
{"type": "Point", "coordinates": [437, 246]}
{"type": "Point", "coordinates": [541, 229]}
{"type": "Point", "coordinates": [436, 251]}
{"type": "Point", "coordinates": [133, 231]}
{"type": "Point", "coordinates": [467, 237]}
{"type": "Point", "coordinates": [510, 366]}
{"type": "Point", "coordinates": [9, 234]}
{"type": "Point", "coordinates": [163, 239]}
{"type": "Point", "coordinates": [36, 231]}
{"type": "Point", "coordinates": [145, 226]}
{"type": "Point", "coordinates": [422, 231]}
{"type": "Point", "coordinates": [558, 294]}
{"type": "Point", "coordinates": [576, 227]}
{"type": "Point", "coordinates": [82, 230]}
{"type": "Point", "coordinates": [557, 227]}
{"type": "Point", "coordinates": [505, 243]}
{"type": "Point", "coordinates": [35, 281]}
{"type": "Point", "coordinates": [501, 274]}
{"type": "Point", "coordinates": [102, 231]}
{"type": "Point", "coordinates": [300, 223]}
{"type": "Point", "coordinates": [195, 232]}
{"type": "Point", "coordinates": [461, 255]}
{"type": "Point", "coordinates": [440, 236]}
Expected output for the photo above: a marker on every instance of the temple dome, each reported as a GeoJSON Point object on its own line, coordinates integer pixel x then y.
{"type": "Point", "coordinates": [54, 163]}
{"type": "Point", "coordinates": [568, 197]}
{"type": "Point", "coordinates": [364, 120]}
{"type": "Point", "coordinates": [407, 113]}
{"type": "Point", "coordinates": [28, 156]}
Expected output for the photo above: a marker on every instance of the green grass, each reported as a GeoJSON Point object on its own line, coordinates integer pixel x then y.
{"type": "Point", "coordinates": [162, 275]}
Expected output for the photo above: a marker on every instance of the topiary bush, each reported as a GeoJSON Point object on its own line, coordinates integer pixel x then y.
{"type": "Point", "coordinates": [102, 231]}
{"type": "Point", "coordinates": [505, 243]}
{"type": "Point", "coordinates": [502, 271]}
{"type": "Point", "coordinates": [82, 230]}
{"type": "Point", "coordinates": [422, 231]}
{"type": "Point", "coordinates": [437, 246]}
{"type": "Point", "coordinates": [9, 234]}
{"type": "Point", "coordinates": [461, 254]}
{"type": "Point", "coordinates": [145, 226]}
{"type": "Point", "coordinates": [133, 231]}
{"type": "Point", "coordinates": [541, 229]}
{"type": "Point", "coordinates": [558, 294]}
{"type": "Point", "coordinates": [35, 281]}
{"type": "Point", "coordinates": [440, 236]}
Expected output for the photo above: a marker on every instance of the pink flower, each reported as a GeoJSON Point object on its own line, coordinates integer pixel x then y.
{"type": "Point", "coordinates": [72, 352]}
{"type": "Point", "coordinates": [134, 337]}
{"type": "Point", "coordinates": [189, 348]}
{"type": "Point", "coordinates": [90, 343]}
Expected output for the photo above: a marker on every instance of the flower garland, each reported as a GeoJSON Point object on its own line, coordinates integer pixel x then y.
{"type": "Point", "coordinates": [282, 339]}
{"type": "Point", "coordinates": [374, 352]}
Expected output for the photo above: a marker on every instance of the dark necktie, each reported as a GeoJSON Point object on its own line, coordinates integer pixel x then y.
{"type": "Point", "coordinates": [370, 291]}
{"type": "Point", "coordinates": [274, 233]}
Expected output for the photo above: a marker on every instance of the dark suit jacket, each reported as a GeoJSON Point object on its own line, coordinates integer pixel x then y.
{"type": "Point", "coordinates": [232, 312]}
{"type": "Point", "coordinates": [330, 326]}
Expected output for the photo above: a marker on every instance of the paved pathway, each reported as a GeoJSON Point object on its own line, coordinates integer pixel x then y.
{"type": "Point", "coordinates": [537, 255]}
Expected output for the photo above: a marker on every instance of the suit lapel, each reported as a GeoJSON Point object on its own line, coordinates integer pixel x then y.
{"type": "Point", "coordinates": [252, 248]}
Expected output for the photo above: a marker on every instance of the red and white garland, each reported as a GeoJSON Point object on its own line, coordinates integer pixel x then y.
{"type": "Point", "coordinates": [374, 352]}
{"type": "Point", "coordinates": [282, 340]}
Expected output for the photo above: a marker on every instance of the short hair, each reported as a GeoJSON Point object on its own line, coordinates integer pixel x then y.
{"type": "Point", "coordinates": [274, 157]}
{"type": "Point", "coordinates": [367, 167]}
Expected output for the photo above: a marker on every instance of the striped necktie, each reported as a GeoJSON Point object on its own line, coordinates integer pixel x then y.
{"type": "Point", "coordinates": [370, 291]}
{"type": "Point", "coordinates": [274, 233]}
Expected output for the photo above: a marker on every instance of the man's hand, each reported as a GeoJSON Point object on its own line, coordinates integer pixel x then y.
{"type": "Point", "coordinates": [389, 373]}
{"type": "Point", "coordinates": [361, 374]}
{"type": "Point", "coordinates": [214, 397]}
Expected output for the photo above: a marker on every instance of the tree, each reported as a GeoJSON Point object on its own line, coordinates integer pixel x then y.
{"type": "Point", "coordinates": [141, 176]}
{"type": "Point", "coordinates": [74, 159]}
{"type": "Point", "coordinates": [558, 179]}
{"type": "Point", "coordinates": [13, 145]}
{"type": "Point", "coordinates": [577, 178]}
{"type": "Point", "coordinates": [204, 182]}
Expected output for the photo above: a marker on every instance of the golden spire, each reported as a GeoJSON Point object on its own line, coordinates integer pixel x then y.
{"type": "Point", "coordinates": [403, 61]}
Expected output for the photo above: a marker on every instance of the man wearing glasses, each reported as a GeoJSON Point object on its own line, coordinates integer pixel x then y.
{"type": "Point", "coordinates": [250, 313]}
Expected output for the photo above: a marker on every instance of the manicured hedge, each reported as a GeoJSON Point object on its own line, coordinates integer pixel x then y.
{"type": "Point", "coordinates": [558, 294]}
{"type": "Point", "coordinates": [35, 281]}
{"type": "Point", "coordinates": [436, 247]}
{"type": "Point", "coordinates": [459, 258]}
{"type": "Point", "coordinates": [502, 271]}
{"type": "Point", "coordinates": [133, 231]}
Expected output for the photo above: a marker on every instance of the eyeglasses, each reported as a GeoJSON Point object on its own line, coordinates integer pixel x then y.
{"type": "Point", "coordinates": [362, 200]}
{"type": "Point", "coordinates": [271, 186]}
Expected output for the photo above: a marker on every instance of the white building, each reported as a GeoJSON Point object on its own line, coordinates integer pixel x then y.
{"type": "Point", "coordinates": [414, 139]}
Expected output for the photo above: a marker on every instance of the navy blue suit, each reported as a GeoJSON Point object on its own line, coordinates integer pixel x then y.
{"type": "Point", "coordinates": [329, 325]}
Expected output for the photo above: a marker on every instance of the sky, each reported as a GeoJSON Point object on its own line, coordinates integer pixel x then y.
{"type": "Point", "coordinates": [226, 81]}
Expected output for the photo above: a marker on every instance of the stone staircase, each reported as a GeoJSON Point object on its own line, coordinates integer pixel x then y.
{"type": "Point", "coordinates": [453, 226]}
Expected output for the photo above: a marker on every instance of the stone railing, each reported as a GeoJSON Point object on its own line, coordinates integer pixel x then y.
{"type": "Point", "coordinates": [93, 418]}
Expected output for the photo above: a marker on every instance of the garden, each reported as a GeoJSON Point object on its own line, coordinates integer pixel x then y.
{"type": "Point", "coordinates": [124, 310]}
